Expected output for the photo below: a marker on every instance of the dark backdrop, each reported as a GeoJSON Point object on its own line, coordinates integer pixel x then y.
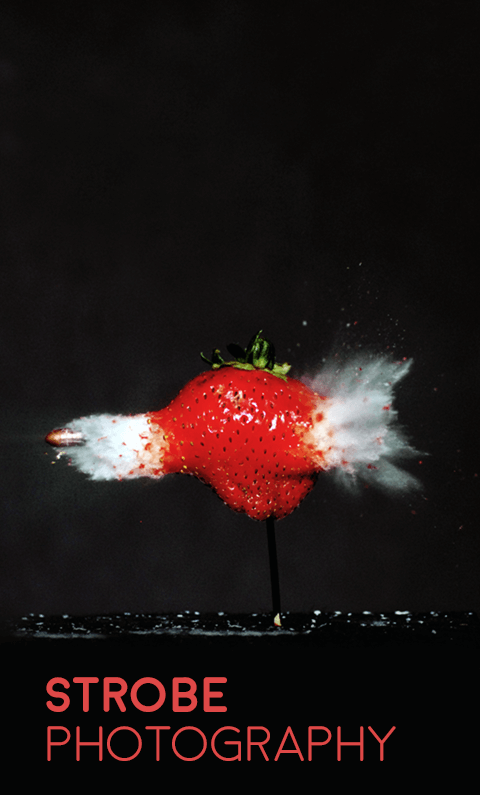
{"type": "Point", "coordinates": [178, 175]}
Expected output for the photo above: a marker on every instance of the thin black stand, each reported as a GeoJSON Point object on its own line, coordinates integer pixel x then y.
{"type": "Point", "coordinates": [272, 554]}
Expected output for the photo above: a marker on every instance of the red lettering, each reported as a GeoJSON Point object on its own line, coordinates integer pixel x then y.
{"type": "Point", "coordinates": [295, 750]}
{"type": "Point", "coordinates": [208, 694]}
{"type": "Point", "coordinates": [108, 694]}
{"type": "Point", "coordinates": [99, 743]}
{"type": "Point", "coordinates": [178, 694]}
{"type": "Point", "coordinates": [184, 698]}
{"type": "Point", "coordinates": [86, 681]}
{"type": "Point", "coordinates": [189, 758]}
{"type": "Point", "coordinates": [51, 743]}
{"type": "Point", "coordinates": [236, 758]}
{"type": "Point", "coordinates": [157, 730]}
{"type": "Point", "coordinates": [312, 742]}
{"type": "Point", "coordinates": [52, 692]}
{"type": "Point", "coordinates": [147, 681]}
{"type": "Point", "coordinates": [250, 742]}
{"type": "Point", "coordinates": [124, 758]}
{"type": "Point", "coordinates": [381, 741]}
{"type": "Point", "coordinates": [339, 743]}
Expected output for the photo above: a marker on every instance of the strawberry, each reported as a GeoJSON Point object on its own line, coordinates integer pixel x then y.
{"type": "Point", "coordinates": [256, 436]}
{"type": "Point", "coordinates": [244, 428]}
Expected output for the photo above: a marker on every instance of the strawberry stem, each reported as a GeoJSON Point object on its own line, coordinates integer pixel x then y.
{"type": "Point", "coordinates": [275, 583]}
{"type": "Point", "coordinates": [258, 355]}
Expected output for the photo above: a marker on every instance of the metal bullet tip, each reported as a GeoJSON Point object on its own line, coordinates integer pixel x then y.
{"type": "Point", "coordinates": [65, 437]}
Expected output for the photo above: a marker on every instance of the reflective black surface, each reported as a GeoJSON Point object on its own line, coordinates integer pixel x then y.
{"type": "Point", "coordinates": [367, 628]}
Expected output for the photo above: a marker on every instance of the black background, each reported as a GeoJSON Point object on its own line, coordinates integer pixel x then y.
{"type": "Point", "coordinates": [176, 176]}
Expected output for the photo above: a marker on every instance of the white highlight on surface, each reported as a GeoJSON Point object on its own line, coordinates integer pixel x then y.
{"type": "Point", "coordinates": [366, 440]}
{"type": "Point", "coordinates": [113, 448]}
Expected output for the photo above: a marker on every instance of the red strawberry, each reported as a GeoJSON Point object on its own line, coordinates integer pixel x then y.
{"type": "Point", "coordinates": [244, 429]}
{"type": "Point", "coordinates": [257, 437]}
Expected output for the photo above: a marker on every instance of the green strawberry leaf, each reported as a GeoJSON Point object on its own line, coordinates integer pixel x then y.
{"type": "Point", "coordinates": [258, 355]}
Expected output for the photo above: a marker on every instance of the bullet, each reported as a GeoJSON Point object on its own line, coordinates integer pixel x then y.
{"type": "Point", "coordinates": [65, 437]}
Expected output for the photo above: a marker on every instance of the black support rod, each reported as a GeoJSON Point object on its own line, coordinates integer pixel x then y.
{"type": "Point", "coordinates": [272, 554]}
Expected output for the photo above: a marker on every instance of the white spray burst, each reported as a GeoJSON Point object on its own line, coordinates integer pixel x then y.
{"type": "Point", "coordinates": [367, 441]}
{"type": "Point", "coordinates": [111, 446]}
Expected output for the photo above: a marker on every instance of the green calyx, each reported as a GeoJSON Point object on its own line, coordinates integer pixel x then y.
{"type": "Point", "coordinates": [258, 355]}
